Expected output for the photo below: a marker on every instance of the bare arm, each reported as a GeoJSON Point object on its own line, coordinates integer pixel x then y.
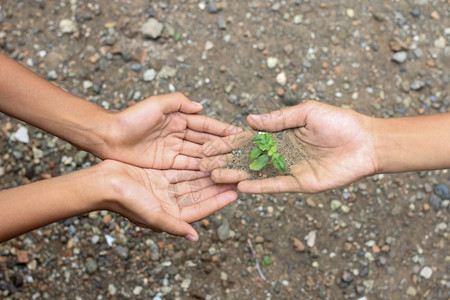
{"type": "Point", "coordinates": [160, 200]}
{"type": "Point", "coordinates": [412, 143]}
{"type": "Point", "coordinates": [342, 145]}
{"type": "Point", "coordinates": [37, 204]}
{"type": "Point", "coordinates": [28, 97]}
{"type": "Point", "coordinates": [167, 123]}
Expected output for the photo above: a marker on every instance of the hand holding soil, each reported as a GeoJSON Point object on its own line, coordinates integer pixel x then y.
{"type": "Point", "coordinates": [325, 147]}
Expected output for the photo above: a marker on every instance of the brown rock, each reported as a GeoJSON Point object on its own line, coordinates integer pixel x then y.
{"type": "Point", "coordinates": [205, 223]}
{"type": "Point", "coordinates": [280, 92]}
{"type": "Point", "coordinates": [348, 247]}
{"type": "Point", "coordinates": [337, 70]}
{"type": "Point", "coordinates": [310, 202]}
{"type": "Point", "coordinates": [22, 257]}
{"type": "Point", "coordinates": [435, 15]}
{"type": "Point", "coordinates": [298, 245]}
{"type": "Point", "coordinates": [375, 249]}
{"type": "Point", "coordinates": [107, 218]}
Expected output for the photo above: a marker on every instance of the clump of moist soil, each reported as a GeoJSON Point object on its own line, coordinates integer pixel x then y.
{"type": "Point", "coordinates": [289, 146]}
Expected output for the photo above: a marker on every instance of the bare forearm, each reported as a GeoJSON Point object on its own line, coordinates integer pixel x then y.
{"type": "Point", "coordinates": [27, 97]}
{"type": "Point", "coordinates": [412, 143]}
{"type": "Point", "coordinates": [34, 205]}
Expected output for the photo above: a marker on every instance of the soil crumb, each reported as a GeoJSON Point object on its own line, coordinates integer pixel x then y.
{"type": "Point", "coordinates": [289, 146]}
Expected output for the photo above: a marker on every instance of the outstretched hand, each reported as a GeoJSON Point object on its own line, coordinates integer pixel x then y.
{"type": "Point", "coordinates": [161, 132]}
{"type": "Point", "coordinates": [165, 200]}
{"type": "Point", "coordinates": [338, 143]}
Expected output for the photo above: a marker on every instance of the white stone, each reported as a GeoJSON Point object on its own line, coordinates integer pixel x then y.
{"type": "Point", "coordinates": [311, 238]}
{"type": "Point", "coordinates": [152, 28]}
{"type": "Point", "coordinates": [22, 135]}
{"type": "Point", "coordinates": [137, 290]}
{"type": "Point", "coordinates": [335, 204]}
{"type": "Point", "coordinates": [149, 75]}
{"type": "Point", "coordinates": [209, 45]}
{"type": "Point", "coordinates": [281, 78]}
{"type": "Point", "coordinates": [426, 272]}
{"type": "Point", "coordinates": [68, 26]}
{"type": "Point", "coordinates": [87, 84]}
{"type": "Point", "coordinates": [112, 289]}
{"type": "Point", "coordinates": [350, 12]}
{"type": "Point", "coordinates": [37, 153]}
{"type": "Point", "coordinates": [272, 62]}
{"type": "Point", "coordinates": [440, 42]}
{"type": "Point", "coordinates": [167, 72]}
{"type": "Point", "coordinates": [109, 240]}
{"type": "Point", "coordinates": [411, 291]}
{"type": "Point", "coordinates": [185, 284]}
{"type": "Point", "coordinates": [400, 57]}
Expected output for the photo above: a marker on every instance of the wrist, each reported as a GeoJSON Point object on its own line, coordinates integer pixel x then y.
{"type": "Point", "coordinates": [377, 140]}
{"type": "Point", "coordinates": [94, 185]}
{"type": "Point", "coordinates": [107, 186]}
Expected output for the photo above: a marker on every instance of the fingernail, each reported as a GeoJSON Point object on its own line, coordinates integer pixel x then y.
{"type": "Point", "coordinates": [198, 104]}
{"type": "Point", "coordinates": [190, 238]}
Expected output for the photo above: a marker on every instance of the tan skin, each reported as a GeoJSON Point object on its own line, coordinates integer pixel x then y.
{"type": "Point", "coordinates": [343, 146]}
{"type": "Point", "coordinates": [159, 133]}
{"type": "Point", "coordinates": [162, 200]}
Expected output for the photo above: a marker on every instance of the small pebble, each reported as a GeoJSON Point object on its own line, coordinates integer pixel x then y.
{"type": "Point", "coordinates": [400, 57]}
{"type": "Point", "coordinates": [272, 62]}
{"type": "Point", "coordinates": [426, 272]}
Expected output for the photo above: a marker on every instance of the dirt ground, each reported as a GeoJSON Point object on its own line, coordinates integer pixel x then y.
{"type": "Point", "coordinates": [384, 237]}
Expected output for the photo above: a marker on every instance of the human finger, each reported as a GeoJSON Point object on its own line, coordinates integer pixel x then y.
{"type": "Point", "coordinates": [202, 194]}
{"type": "Point", "coordinates": [209, 125]}
{"type": "Point", "coordinates": [191, 149]}
{"type": "Point", "coordinates": [174, 226]}
{"type": "Point", "coordinates": [198, 137]}
{"type": "Point", "coordinates": [227, 144]}
{"type": "Point", "coordinates": [279, 184]}
{"type": "Point", "coordinates": [177, 176]}
{"type": "Point", "coordinates": [177, 102]}
{"type": "Point", "coordinates": [208, 164]}
{"type": "Point", "coordinates": [207, 207]}
{"type": "Point", "coordinates": [291, 117]}
{"type": "Point", "coordinates": [229, 175]}
{"type": "Point", "coordinates": [184, 162]}
{"type": "Point", "coordinates": [191, 186]}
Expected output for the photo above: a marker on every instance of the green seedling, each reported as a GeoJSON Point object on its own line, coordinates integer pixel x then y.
{"type": "Point", "coordinates": [266, 261]}
{"type": "Point", "coordinates": [266, 152]}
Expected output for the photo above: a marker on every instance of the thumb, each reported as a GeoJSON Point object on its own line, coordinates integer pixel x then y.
{"type": "Point", "coordinates": [178, 102]}
{"type": "Point", "coordinates": [174, 226]}
{"type": "Point", "coordinates": [291, 117]}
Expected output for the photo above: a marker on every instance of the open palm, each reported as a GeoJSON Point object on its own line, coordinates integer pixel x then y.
{"type": "Point", "coordinates": [337, 142]}
{"type": "Point", "coordinates": [165, 200]}
{"type": "Point", "coordinates": [162, 132]}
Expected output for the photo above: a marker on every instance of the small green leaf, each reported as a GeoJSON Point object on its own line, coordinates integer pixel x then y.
{"type": "Point", "coordinates": [266, 260]}
{"type": "Point", "coordinates": [272, 150]}
{"type": "Point", "coordinates": [255, 153]}
{"type": "Point", "coordinates": [279, 162]}
{"type": "Point", "coordinates": [263, 140]}
{"type": "Point", "coordinates": [259, 163]}
{"type": "Point", "coordinates": [177, 37]}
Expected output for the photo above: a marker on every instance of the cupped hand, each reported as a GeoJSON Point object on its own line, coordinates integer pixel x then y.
{"type": "Point", "coordinates": [163, 200]}
{"type": "Point", "coordinates": [338, 142]}
{"type": "Point", "coordinates": [161, 132]}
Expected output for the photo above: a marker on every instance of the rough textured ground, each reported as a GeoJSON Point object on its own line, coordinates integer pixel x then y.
{"type": "Point", "coordinates": [384, 237]}
{"type": "Point", "coordinates": [292, 153]}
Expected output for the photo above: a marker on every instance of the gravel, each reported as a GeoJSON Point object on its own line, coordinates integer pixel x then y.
{"type": "Point", "coordinates": [381, 237]}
